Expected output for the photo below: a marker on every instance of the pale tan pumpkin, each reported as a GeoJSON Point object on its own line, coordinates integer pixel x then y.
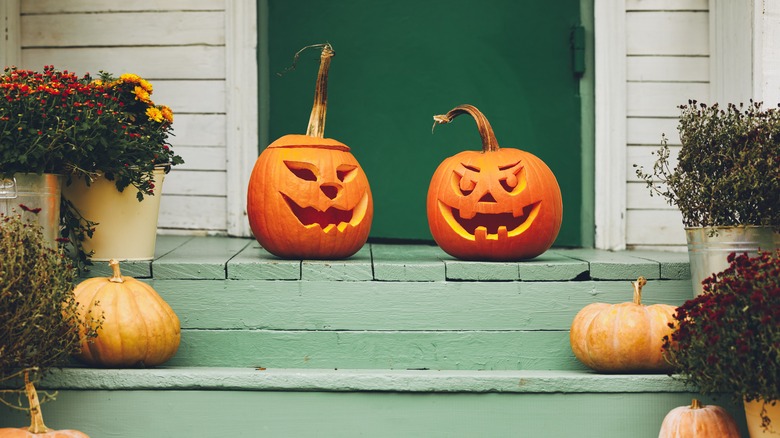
{"type": "Point", "coordinates": [139, 328]}
{"type": "Point", "coordinates": [698, 421]}
{"type": "Point", "coordinates": [37, 428]}
{"type": "Point", "coordinates": [622, 338]}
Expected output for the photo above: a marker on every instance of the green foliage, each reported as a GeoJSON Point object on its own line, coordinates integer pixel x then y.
{"type": "Point", "coordinates": [39, 324]}
{"type": "Point", "coordinates": [727, 340]}
{"type": "Point", "coordinates": [728, 169]}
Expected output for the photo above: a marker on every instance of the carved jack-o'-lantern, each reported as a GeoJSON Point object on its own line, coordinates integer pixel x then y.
{"type": "Point", "coordinates": [308, 197]}
{"type": "Point", "coordinates": [494, 204]}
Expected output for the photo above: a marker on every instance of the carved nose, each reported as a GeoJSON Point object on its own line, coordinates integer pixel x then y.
{"type": "Point", "coordinates": [331, 190]}
{"type": "Point", "coordinates": [487, 197]}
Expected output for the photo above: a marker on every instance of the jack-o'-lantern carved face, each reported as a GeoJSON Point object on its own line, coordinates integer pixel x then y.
{"type": "Point", "coordinates": [309, 201]}
{"type": "Point", "coordinates": [308, 198]}
{"type": "Point", "coordinates": [495, 204]}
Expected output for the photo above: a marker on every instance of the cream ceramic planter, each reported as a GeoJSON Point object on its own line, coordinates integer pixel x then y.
{"type": "Point", "coordinates": [127, 228]}
{"type": "Point", "coordinates": [753, 419]}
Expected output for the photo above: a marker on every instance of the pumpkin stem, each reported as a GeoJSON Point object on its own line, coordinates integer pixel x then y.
{"type": "Point", "coordinates": [638, 285]}
{"type": "Point", "coordinates": [36, 418]}
{"type": "Point", "coordinates": [316, 126]}
{"type": "Point", "coordinates": [489, 142]}
{"type": "Point", "coordinates": [117, 274]}
{"type": "Point", "coordinates": [696, 404]}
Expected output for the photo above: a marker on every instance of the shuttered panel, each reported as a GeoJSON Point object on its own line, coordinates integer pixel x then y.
{"type": "Point", "coordinates": [179, 46]}
{"type": "Point", "coordinates": [667, 63]}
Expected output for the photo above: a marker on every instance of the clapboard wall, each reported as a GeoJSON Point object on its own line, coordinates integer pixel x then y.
{"type": "Point", "coordinates": [667, 63]}
{"type": "Point", "coordinates": [179, 46]}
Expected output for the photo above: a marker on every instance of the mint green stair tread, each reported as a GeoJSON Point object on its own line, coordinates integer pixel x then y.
{"type": "Point", "coordinates": [202, 258]}
{"type": "Point", "coordinates": [607, 265]}
{"type": "Point", "coordinates": [408, 262]}
{"type": "Point", "coordinates": [355, 268]}
{"type": "Point", "coordinates": [550, 266]}
{"type": "Point", "coordinates": [139, 268]}
{"type": "Point", "coordinates": [349, 380]}
{"type": "Point", "coordinates": [255, 263]}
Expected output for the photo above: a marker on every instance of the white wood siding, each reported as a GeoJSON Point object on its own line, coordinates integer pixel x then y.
{"type": "Point", "coordinates": [179, 46]}
{"type": "Point", "coordinates": [667, 63]}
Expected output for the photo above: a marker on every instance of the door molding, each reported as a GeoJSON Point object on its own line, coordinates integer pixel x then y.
{"type": "Point", "coordinates": [610, 119]}
{"type": "Point", "coordinates": [241, 85]}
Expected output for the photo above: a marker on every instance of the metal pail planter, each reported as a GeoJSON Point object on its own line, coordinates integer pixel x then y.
{"type": "Point", "coordinates": [707, 253]}
{"type": "Point", "coordinates": [27, 193]}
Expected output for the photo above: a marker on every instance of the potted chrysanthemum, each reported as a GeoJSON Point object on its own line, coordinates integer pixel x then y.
{"type": "Point", "coordinates": [727, 340]}
{"type": "Point", "coordinates": [131, 149]}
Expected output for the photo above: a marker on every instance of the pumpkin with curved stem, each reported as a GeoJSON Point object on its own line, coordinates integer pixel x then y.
{"type": "Point", "coordinates": [493, 204]}
{"type": "Point", "coordinates": [37, 428]}
{"type": "Point", "coordinates": [138, 329]}
{"type": "Point", "coordinates": [698, 421]}
{"type": "Point", "coordinates": [308, 197]}
{"type": "Point", "coordinates": [622, 338]}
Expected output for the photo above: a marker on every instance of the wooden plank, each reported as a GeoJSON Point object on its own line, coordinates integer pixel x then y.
{"type": "Point", "coordinates": [196, 183]}
{"type": "Point", "coordinates": [405, 306]}
{"type": "Point", "coordinates": [537, 350]}
{"type": "Point", "coordinates": [648, 130]}
{"type": "Point", "coordinates": [187, 212]}
{"type": "Point", "coordinates": [646, 156]}
{"type": "Point", "coordinates": [203, 258]}
{"type": "Point", "coordinates": [605, 265]}
{"type": "Point", "coordinates": [667, 5]}
{"type": "Point", "coordinates": [550, 266]}
{"type": "Point", "coordinates": [181, 28]}
{"type": "Point", "coordinates": [667, 69]}
{"type": "Point", "coordinates": [183, 96]}
{"type": "Point", "coordinates": [481, 271]}
{"type": "Point", "coordinates": [378, 414]}
{"type": "Point", "coordinates": [408, 262]}
{"type": "Point", "coordinates": [661, 99]}
{"type": "Point", "coordinates": [57, 6]}
{"type": "Point", "coordinates": [667, 33]}
{"type": "Point", "coordinates": [674, 265]}
{"type": "Point", "coordinates": [198, 130]}
{"type": "Point", "coordinates": [639, 198]}
{"type": "Point", "coordinates": [355, 268]}
{"type": "Point", "coordinates": [138, 268]}
{"type": "Point", "coordinates": [202, 158]}
{"type": "Point", "coordinates": [152, 63]}
{"type": "Point", "coordinates": [255, 263]}
{"type": "Point", "coordinates": [657, 227]}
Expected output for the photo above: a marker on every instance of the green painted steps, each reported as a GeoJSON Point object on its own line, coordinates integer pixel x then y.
{"type": "Point", "coordinates": [399, 340]}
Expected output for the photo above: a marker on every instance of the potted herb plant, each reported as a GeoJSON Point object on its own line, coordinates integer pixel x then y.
{"type": "Point", "coordinates": [39, 322]}
{"type": "Point", "coordinates": [727, 340]}
{"type": "Point", "coordinates": [726, 181]}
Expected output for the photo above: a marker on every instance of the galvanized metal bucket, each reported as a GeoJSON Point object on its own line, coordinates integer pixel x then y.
{"type": "Point", "coordinates": [35, 197]}
{"type": "Point", "coordinates": [708, 248]}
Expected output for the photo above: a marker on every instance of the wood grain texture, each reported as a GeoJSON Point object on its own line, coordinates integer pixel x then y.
{"type": "Point", "coordinates": [198, 258]}
{"type": "Point", "coordinates": [255, 263]}
{"type": "Point", "coordinates": [408, 262]}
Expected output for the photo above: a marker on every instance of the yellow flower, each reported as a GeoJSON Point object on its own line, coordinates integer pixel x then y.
{"type": "Point", "coordinates": [142, 95]}
{"type": "Point", "coordinates": [130, 78]}
{"type": "Point", "coordinates": [154, 114]}
{"type": "Point", "coordinates": [167, 113]}
{"type": "Point", "coordinates": [146, 85]}
{"type": "Point", "coordinates": [97, 82]}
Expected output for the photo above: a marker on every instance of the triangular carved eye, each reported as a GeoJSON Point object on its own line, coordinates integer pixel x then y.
{"type": "Point", "coordinates": [346, 172]}
{"type": "Point", "coordinates": [302, 170]}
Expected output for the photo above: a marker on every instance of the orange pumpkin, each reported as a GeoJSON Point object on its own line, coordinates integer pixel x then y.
{"type": "Point", "coordinates": [37, 428]}
{"type": "Point", "coordinates": [139, 328]}
{"type": "Point", "coordinates": [698, 421]}
{"type": "Point", "coordinates": [622, 338]}
{"type": "Point", "coordinates": [493, 204]}
{"type": "Point", "coordinates": [308, 197]}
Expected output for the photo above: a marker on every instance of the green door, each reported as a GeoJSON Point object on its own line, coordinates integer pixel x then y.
{"type": "Point", "coordinates": [399, 62]}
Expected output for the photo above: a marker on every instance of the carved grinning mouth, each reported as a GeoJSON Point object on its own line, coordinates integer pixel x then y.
{"type": "Point", "coordinates": [331, 219]}
{"type": "Point", "coordinates": [490, 226]}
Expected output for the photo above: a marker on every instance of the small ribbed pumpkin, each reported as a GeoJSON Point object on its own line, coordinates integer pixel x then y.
{"type": "Point", "coordinates": [494, 204]}
{"type": "Point", "coordinates": [622, 338]}
{"type": "Point", "coordinates": [308, 197]}
{"type": "Point", "coordinates": [139, 328]}
{"type": "Point", "coordinates": [37, 428]}
{"type": "Point", "coordinates": [698, 421]}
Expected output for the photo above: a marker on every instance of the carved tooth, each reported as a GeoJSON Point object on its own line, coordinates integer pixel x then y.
{"type": "Point", "coordinates": [502, 233]}
{"type": "Point", "coordinates": [329, 227]}
{"type": "Point", "coordinates": [480, 233]}
{"type": "Point", "coordinates": [342, 226]}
